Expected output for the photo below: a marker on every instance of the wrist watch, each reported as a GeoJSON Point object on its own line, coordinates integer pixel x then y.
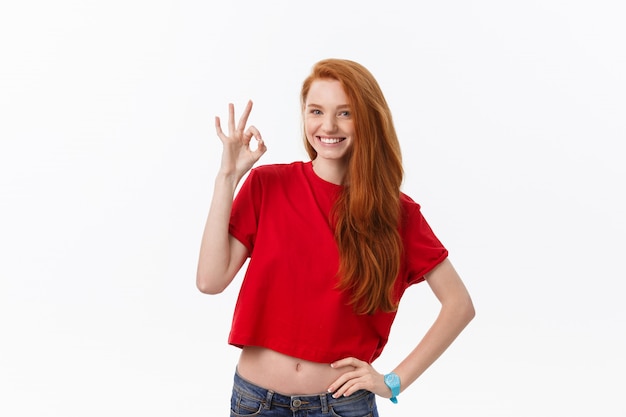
{"type": "Point", "coordinates": [393, 382]}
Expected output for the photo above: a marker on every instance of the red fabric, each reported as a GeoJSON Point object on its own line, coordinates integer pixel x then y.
{"type": "Point", "coordinates": [288, 301]}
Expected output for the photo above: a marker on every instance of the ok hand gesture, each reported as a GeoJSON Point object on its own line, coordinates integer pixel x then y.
{"type": "Point", "coordinates": [237, 156]}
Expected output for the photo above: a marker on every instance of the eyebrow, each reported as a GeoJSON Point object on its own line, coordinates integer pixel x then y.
{"type": "Point", "coordinates": [340, 107]}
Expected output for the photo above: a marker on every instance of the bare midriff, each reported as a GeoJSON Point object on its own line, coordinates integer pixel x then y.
{"type": "Point", "coordinates": [286, 374]}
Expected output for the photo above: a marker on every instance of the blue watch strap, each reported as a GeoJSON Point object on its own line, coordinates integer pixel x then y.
{"type": "Point", "coordinates": [392, 380]}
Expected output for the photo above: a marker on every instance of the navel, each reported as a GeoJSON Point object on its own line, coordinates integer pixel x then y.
{"type": "Point", "coordinates": [298, 366]}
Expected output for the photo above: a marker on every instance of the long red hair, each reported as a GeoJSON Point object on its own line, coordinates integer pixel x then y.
{"type": "Point", "coordinates": [367, 213]}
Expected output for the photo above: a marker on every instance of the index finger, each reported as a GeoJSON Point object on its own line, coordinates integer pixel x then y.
{"type": "Point", "coordinates": [354, 362]}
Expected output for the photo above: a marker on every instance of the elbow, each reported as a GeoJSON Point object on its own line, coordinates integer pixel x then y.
{"type": "Point", "coordinates": [207, 289]}
{"type": "Point", "coordinates": [467, 310]}
{"type": "Point", "coordinates": [208, 286]}
{"type": "Point", "coordinates": [460, 309]}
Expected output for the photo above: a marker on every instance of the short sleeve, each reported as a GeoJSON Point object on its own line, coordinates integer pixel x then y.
{"type": "Point", "coordinates": [244, 216]}
{"type": "Point", "coordinates": [423, 251]}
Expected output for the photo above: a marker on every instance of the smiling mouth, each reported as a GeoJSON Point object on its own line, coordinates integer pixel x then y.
{"type": "Point", "coordinates": [330, 141]}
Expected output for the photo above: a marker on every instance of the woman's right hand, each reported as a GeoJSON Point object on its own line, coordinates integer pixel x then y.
{"type": "Point", "coordinates": [237, 156]}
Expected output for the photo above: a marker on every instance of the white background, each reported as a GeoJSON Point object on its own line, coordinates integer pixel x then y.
{"type": "Point", "coordinates": [511, 116]}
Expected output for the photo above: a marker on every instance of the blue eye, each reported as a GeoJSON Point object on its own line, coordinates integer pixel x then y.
{"type": "Point", "coordinates": [316, 111]}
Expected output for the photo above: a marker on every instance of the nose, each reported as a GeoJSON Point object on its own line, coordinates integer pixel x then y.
{"type": "Point", "coordinates": [329, 124]}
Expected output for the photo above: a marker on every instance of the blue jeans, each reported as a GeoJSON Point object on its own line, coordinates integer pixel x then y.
{"type": "Point", "coordinates": [251, 400]}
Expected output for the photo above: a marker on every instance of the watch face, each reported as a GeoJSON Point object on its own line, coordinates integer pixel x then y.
{"type": "Point", "coordinates": [392, 380]}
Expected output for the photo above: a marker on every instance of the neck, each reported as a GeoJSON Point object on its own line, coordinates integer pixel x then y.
{"type": "Point", "coordinates": [333, 172]}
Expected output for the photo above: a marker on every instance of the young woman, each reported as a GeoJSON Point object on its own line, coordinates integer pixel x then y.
{"type": "Point", "coordinates": [333, 244]}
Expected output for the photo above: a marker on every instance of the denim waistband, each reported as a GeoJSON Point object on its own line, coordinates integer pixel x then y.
{"type": "Point", "coordinates": [295, 402]}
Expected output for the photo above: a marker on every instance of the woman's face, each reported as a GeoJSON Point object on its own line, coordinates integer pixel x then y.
{"type": "Point", "coordinates": [328, 121]}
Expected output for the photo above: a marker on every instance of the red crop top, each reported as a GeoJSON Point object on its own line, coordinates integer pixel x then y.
{"type": "Point", "coordinates": [288, 301]}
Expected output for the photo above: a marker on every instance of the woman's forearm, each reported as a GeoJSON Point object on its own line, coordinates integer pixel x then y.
{"type": "Point", "coordinates": [220, 258]}
{"type": "Point", "coordinates": [452, 319]}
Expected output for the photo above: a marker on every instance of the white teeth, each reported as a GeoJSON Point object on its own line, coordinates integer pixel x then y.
{"type": "Point", "coordinates": [330, 140]}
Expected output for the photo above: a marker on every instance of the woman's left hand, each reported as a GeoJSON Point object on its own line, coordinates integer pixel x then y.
{"type": "Point", "coordinates": [360, 376]}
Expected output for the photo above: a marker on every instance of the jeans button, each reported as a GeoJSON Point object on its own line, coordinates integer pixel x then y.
{"type": "Point", "coordinates": [296, 403]}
